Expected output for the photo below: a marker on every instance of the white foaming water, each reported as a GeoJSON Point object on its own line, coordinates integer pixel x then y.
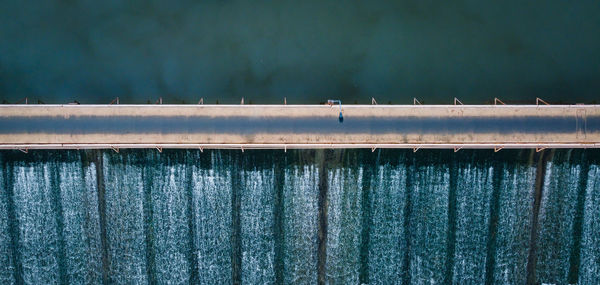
{"type": "Point", "coordinates": [81, 222]}
{"type": "Point", "coordinates": [257, 220]}
{"type": "Point", "coordinates": [300, 225]}
{"type": "Point", "coordinates": [514, 224]}
{"type": "Point", "coordinates": [169, 219]}
{"type": "Point", "coordinates": [556, 221]}
{"type": "Point", "coordinates": [428, 223]}
{"type": "Point", "coordinates": [125, 225]}
{"type": "Point", "coordinates": [473, 200]}
{"type": "Point", "coordinates": [6, 260]}
{"type": "Point", "coordinates": [35, 213]}
{"type": "Point", "coordinates": [589, 272]}
{"type": "Point", "coordinates": [387, 235]}
{"type": "Point", "coordinates": [212, 211]}
{"type": "Point", "coordinates": [344, 225]}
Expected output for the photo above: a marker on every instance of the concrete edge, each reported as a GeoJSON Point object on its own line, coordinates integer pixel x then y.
{"type": "Point", "coordinates": [415, 147]}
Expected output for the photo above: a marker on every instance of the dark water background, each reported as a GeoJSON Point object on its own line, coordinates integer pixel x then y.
{"type": "Point", "coordinates": [343, 217]}
{"type": "Point", "coordinates": [307, 51]}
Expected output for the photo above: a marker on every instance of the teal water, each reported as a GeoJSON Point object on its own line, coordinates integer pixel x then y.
{"type": "Point", "coordinates": [308, 51]}
{"type": "Point", "coordinates": [302, 217]}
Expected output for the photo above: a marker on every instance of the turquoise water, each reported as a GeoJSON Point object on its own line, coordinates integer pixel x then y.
{"type": "Point", "coordinates": [308, 51]}
{"type": "Point", "coordinates": [389, 216]}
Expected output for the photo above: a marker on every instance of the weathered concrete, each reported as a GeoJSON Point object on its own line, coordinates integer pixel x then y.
{"type": "Point", "coordinates": [298, 126]}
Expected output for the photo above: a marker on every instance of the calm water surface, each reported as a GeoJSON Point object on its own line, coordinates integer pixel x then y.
{"type": "Point", "coordinates": [308, 51]}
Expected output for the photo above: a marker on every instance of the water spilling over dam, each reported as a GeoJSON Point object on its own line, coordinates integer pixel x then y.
{"type": "Point", "coordinates": [301, 216]}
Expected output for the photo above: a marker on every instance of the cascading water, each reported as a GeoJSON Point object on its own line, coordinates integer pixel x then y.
{"type": "Point", "coordinates": [352, 216]}
{"type": "Point", "coordinates": [589, 252]}
{"type": "Point", "coordinates": [300, 208]}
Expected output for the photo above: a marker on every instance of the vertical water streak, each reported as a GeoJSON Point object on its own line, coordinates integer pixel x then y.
{"type": "Point", "coordinates": [492, 234]}
{"type": "Point", "coordinates": [558, 207]}
{"type": "Point", "coordinates": [96, 159]}
{"type": "Point", "coordinates": [191, 160]}
{"type": "Point", "coordinates": [589, 270]}
{"type": "Point", "coordinates": [35, 214]}
{"type": "Point", "coordinates": [81, 225]}
{"type": "Point", "coordinates": [452, 208]}
{"type": "Point", "coordinates": [279, 171]}
{"type": "Point", "coordinates": [581, 187]}
{"type": "Point", "coordinates": [387, 232]}
{"type": "Point", "coordinates": [429, 219]}
{"type": "Point", "coordinates": [125, 230]}
{"type": "Point", "coordinates": [212, 197]}
{"type": "Point", "coordinates": [236, 223]}
{"type": "Point", "coordinates": [515, 204]}
{"type": "Point", "coordinates": [344, 225]}
{"type": "Point", "coordinates": [7, 251]}
{"type": "Point", "coordinates": [55, 184]}
{"type": "Point", "coordinates": [301, 197]}
{"type": "Point", "coordinates": [473, 198]}
{"type": "Point", "coordinates": [407, 240]}
{"type": "Point", "coordinates": [537, 201]}
{"type": "Point", "coordinates": [323, 206]}
{"type": "Point", "coordinates": [147, 184]}
{"type": "Point", "coordinates": [257, 222]}
{"type": "Point", "coordinates": [169, 219]}
{"type": "Point", "coordinates": [369, 167]}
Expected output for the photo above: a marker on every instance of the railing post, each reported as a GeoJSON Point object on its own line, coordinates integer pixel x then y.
{"type": "Point", "coordinates": [538, 100]}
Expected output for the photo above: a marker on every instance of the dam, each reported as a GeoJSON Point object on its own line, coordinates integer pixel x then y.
{"type": "Point", "coordinates": [299, 126]}
{"type": "Point", "coordinates": [371, 211]}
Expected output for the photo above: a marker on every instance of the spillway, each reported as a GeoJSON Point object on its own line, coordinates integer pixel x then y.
{"type": "Point", "coordinates": [300, 217]}
{"type": "Point", "coordinates": [298, 126]}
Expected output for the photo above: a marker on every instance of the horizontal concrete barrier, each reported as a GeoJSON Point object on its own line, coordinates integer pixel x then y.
{"type": "Point", "coordinates": [299, 126]}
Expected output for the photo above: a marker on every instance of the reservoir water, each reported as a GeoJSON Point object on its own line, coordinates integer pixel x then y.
{"type": "Point", "coordinates": [342, 217]}
{"type": "Point", "coordinates": [308, 51]}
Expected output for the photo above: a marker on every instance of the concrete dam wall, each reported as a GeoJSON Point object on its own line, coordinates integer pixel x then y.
{"type": "Point", "coordinates": [299, 126]}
